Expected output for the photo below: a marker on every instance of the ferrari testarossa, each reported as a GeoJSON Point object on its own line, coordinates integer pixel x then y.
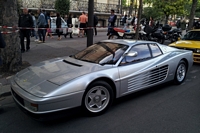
{"type": "Point", "coordinates": [97, 75]}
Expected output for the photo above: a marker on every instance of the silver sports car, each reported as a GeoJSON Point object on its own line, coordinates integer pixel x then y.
{"type": "Point", "coordinates": [94, 77]}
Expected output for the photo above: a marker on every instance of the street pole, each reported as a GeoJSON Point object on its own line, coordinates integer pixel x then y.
{"type": "Point", "coordinates": [90, 23]}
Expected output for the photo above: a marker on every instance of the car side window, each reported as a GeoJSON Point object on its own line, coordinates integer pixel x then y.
{"type": "Point", "coordinates": [155, 50]}
{"type": "Point", "coordinates": [143, 53]}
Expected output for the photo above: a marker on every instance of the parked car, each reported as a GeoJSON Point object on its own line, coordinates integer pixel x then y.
{"type": "Point", "coordinates": [63, 26]}
{"type": "Point", "coordinates": [190, 41]}
{"type": "Point", "coordinates": [97, 75]}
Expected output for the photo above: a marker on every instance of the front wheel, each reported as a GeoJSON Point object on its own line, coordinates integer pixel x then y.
{"type": "Point", "coordinates": [97, 98]}
{"type": "Point", "coordinates": [180, 73]}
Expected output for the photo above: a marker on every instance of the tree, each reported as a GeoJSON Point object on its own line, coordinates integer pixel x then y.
{"type": "Point", "coordinates": [139, 18]}
{"type": "Point", "coordinates": [11, 55]}
{"type": "Point", "coordinates": [192, 13]}
{"type": "Point", "coordinates": [62, 6]}
{"type": "Point", "coordinates": [169, 7]}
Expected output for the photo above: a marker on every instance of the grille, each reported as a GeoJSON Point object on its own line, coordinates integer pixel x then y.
{"type": "Point", "coordinates": [19, 99]}
{"type": "Point", "coordinates": [148, 78]}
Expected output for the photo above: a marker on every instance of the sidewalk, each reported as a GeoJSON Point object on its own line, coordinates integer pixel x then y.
{"type": "Point", "coordinates": [52, 48]}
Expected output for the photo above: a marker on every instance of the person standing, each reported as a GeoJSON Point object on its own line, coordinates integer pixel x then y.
{"type": "Point", "coordinates": [69, 24]}
{"type": "Point", "coordinates": [151, 22]}
{"type": "Point", "coordinates": [125, 22]}
{"type": "Point", "coordinates": [75, 24]}
{"type": "Point", "coordinates": [34, 32]}
{"type": "Point", "coordinates": [83, 21]}
{"type": "Point", "coordinates": [2, 45]}
{"type": "Point", "coordinates": [25, 21]}
{"type": "Point", "coordinates": [48, 26]}
{"type": "Point", "coordinates": [41, 25]}
{"type": "Point", "coordinates": [111, 21]}
{"type": "Point", "coordinates": [58, 25]}
{"type": "Point", "coordinates": [95, 24]}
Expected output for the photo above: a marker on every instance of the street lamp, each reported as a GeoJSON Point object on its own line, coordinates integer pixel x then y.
{"type": "Point", "coordinates": [90, 23]}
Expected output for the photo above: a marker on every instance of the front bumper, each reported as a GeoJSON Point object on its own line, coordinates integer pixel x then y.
{"type": "Point", "coordinates": [45, 105]}
{"type": "Point", "coordinates": [196, 57]}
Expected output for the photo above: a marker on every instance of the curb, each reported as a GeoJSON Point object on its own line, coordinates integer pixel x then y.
{"type": "Point", "coordinates": [5, 87]}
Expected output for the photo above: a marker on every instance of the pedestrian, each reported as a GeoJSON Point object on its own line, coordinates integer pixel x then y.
{"type": "Point", "coordinates": [45, 15]}
{"type": "Point", "coordinates": [2, 45]}
{"type": "Point", "coordinates": [34, 32]}
{"type": "Point", "coordinates": [178, 23]}
{"type": "Point", "coordinates": [25, 21]}
{"type": "Point", "coordinates": [69, 24]}
{"type": "Point", "coordinates": [197, 24]}
{"type": "Point", "coordinates": [95, 24]}
{"type": "Point", "coordinates": [82, 20]}
{"type": "Point", "coordinates": [124, 21]}
{"type": "Point", "coordinates": [151, 22]}
{"type": "Point", "coordinates": [48, 26]}
{"type": "Point", "coordinates": [58, 25]}
{"type": "Point", "coordinates": [41, 23]}
{"type": "Point", "coordinates": [75, 25]}
{"type": "Point", "coordinates": [111, 21]}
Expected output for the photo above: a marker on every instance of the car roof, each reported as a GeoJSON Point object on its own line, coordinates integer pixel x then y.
{"type": "Point", "coordinates": [128, 42]}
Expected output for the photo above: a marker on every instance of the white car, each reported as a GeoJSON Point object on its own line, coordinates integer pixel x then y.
{"type": "Point", "coordinates": [63, 26]}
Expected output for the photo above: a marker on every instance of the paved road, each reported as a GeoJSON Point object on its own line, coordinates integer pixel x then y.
{"type": "Point", "coordinates": [163, 109]}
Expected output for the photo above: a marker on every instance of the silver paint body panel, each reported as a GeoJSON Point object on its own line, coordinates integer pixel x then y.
{"type": "Point", "coordinates": [56, 85]}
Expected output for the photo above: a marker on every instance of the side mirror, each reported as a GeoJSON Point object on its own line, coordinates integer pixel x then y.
{"type": "Point", "coordinates": [132, 54]}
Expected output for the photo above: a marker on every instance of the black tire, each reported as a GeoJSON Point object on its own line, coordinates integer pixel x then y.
{"type": "Point", "coordinates": [181, 72]}
{"type": "Point", "coordinates": [161, 41]}
{"type": "Point", "coordinates": [97, 98]}
{"type": "Point", "coordinates": [113, 37]}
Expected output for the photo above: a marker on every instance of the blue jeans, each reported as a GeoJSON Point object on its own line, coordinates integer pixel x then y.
{"type": "Point", "coordinates": [41, 33]}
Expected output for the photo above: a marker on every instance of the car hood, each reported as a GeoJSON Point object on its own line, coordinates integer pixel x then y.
{"type": "Point", "coordinates": [186, 44]}
{"type": "Point", "coordinates": [53, 73]}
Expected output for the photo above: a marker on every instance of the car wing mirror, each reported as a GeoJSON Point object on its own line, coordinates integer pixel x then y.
{"type": "Point", "coordinates": [132, 54]}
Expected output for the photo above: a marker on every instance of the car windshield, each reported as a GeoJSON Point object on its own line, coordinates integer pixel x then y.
{"type": "Point", "coordinates": [102, 53]}
{"type": "Point", "coordinates": [192, 35]}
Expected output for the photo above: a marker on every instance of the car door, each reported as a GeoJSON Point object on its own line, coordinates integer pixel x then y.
{"type": "Point", "coordinates": [140, 71]}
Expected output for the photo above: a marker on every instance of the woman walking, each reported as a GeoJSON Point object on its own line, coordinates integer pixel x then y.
{"type": "Point", "coordinates": [48, 26]}
{"type": "Point", "coordinates": [58, 25]}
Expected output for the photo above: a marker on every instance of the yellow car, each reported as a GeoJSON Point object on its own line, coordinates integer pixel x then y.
{"type": "Point", "coordinates": [190, 41]}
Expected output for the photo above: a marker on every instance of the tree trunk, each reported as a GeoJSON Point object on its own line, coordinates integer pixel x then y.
{"type": "Point", "coordinates": [11, 54]}
{"type": "Point", "coordinates": [192, 13]}
{"type": "Point", "coordinates": [131, 7]}
{"type": "Point", "coordinates": [138, 20]}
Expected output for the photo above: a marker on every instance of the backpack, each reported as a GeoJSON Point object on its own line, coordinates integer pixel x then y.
{"type": "Point", "coordinates": [95, 20]}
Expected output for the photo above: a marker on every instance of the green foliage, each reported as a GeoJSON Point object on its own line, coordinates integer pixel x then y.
{"type": "Point", "coordinates": [155, 13]}
{"type": "Point", "coordinates": [62, 6]}
{"type": "Point", "coordinates": [169, 7]}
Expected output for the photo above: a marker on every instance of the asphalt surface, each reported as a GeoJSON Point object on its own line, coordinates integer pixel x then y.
{"type": "Point", "coordinates": [162, 109]}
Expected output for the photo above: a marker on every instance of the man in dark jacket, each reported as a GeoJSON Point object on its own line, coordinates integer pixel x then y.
{"type": "Point", "coordinates": [95, 24]}
{"type": "Point", "coordinates": [111, 21]}
{"type": "Point", "coordinates": [2, 45]}
{"type": "Point", "coordinates": [25, 21]}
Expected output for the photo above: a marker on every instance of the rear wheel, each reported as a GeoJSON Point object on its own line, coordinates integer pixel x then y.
{"type": "Point", "coordinates": [161, 41]}
{"type": "Point", "coordinates": [181, 72]}
{"type": "Point", "coordinates": [113, 37]}
{"type": "Point", "coordinates": [97, 98]}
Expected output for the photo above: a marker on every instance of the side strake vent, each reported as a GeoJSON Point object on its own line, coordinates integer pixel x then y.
{"type": "Point", "coordinates": [72, 63]}
{"type": "Point", "coordinates": [148, 78]}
